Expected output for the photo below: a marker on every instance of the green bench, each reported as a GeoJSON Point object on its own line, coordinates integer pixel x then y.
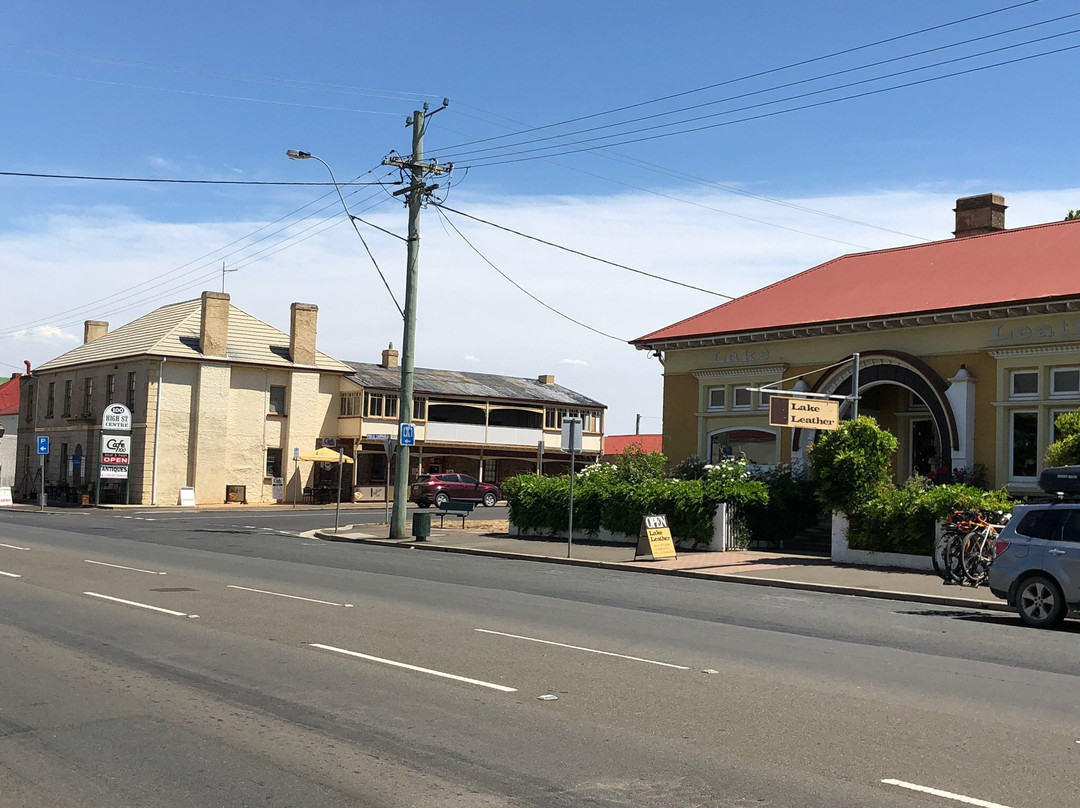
{"type": "Point", "coordinates": [455, 507]}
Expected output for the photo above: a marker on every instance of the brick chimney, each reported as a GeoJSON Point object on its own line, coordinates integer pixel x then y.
{"type": "Point", "coordinates": [214, 327]}
{"type": "Point", "coordinates": [976, 215]}
{"type": "Point", "coordinates": [92, 329]}
{"type": "Point", "coordinates": [302, 328]}
{"type": "Point", "coordinates": [389, 357]}
{"type": "Point", "coordinates": [546, 379]}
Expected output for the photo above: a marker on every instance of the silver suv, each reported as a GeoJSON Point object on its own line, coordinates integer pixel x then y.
{"type": "Point", "coordinates": [1037, 555]}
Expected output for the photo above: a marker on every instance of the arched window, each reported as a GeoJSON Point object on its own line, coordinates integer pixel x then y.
{"type": "Point", "coordinates": [757, 445]}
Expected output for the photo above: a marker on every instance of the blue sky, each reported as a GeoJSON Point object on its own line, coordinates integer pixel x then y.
{"type": "Point", "coordinates": [220, 91]}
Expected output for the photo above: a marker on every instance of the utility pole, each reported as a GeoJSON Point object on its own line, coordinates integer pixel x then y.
{"type": "Point", "coordinates": [416, 192]}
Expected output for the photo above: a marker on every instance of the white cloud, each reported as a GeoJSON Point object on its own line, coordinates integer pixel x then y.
{"type": "Point", "coordinates": [47, 334]}
{"type": "Point", "coordinates": [110, 264]}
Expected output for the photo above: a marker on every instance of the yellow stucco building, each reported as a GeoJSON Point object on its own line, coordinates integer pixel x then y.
{"type": "Point", "coordinates": [967, 351]}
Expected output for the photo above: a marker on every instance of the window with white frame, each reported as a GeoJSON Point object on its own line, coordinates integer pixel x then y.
{"type": "Point", "coordinates": [1023, 444]}
{"type": "Point", "coordinates": [380, 405]}
{"type": "Point", "coordinates": [717, 397]}
{"type": "Point", "coordinates": [1065, 382]}
{"type": "Point", "coordinates": [743, 398]}
{"type": "Point", "coordinates": [351, 404]}
{"type": "Point", "coordinates": [1055, 433]}
{"type": "Point", "coordinates": [1024, 384]}
{"type": "Point", "coordinates": [763, 400]}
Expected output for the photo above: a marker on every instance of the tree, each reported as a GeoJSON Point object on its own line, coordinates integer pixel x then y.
{"type": "Point", "coordinates": [1065, 451]}
{"type": "Point", "coordinates": [851, 464]}
{"type": "Point", "coordinates": [1072, 214]}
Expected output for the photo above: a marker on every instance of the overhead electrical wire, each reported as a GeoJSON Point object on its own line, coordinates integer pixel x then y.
{"type": "Point", "coordinates": [582, 254]}
{"type": "Point", "coordinates": [175, 181]}
{"type": "Point", "coordinates": [521, 288]}
{"type": "Point", "coordinates": [755, 75]}
{"type": "Point", "coordinates": [462, 155]}
{"type": "Point", "coordinates": [513, 157]}
{"type": "Point", "coordinates": [214, 256]}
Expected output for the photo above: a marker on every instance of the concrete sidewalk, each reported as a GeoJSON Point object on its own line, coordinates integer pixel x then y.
{"type": "Point", "coordinates": [786, 570]}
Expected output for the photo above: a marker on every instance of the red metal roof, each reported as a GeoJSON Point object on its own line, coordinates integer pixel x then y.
{"type": "Point", "coordinates": [9, 397]}
{"type": "Point", "coordinates": [1027, 264]}
{"type": "Point", "coordinates": [617, 444]}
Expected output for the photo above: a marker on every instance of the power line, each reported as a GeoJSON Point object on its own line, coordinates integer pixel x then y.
{"type": "Point", "coordinates": [521, 288]}
{"type": "Point", "coordinates": [758, 74]}
{"type": "Point", "coordinates": [584, 148]}
{"type": "Point", "coordinates": [175, 181]}
{"type": "Point", "coordinates": [463, 155]}
{"type": "Point", "coordinates": [582, 254]}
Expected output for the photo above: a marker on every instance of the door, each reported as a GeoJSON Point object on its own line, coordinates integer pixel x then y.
{"type": "Point", "coordinates": [924, 452]}
{"type": "Point", "coordinates": [469, 488]}
{"type": "Point", "coordinates": [1062, 556]}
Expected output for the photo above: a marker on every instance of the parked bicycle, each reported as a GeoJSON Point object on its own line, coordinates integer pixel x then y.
{"type": "Point", "coordinates": [965, 549]}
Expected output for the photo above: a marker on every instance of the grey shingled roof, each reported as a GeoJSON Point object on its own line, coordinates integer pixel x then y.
{"type": "Point", "coordinates": [462, 384]}
{"type": "Point", "coordinates": [173, 331]}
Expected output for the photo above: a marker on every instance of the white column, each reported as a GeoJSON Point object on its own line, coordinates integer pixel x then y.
{"type": "Point", "coordinates": [961, 397]}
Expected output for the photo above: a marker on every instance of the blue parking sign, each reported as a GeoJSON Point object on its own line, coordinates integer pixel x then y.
{"type": "Point", "coordinates": [43, 444]}
{"type": "Point", "coordinates": [408, 435]}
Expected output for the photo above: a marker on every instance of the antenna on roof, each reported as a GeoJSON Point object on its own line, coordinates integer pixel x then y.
{"type": "Point", "coordinates": [223, 271]}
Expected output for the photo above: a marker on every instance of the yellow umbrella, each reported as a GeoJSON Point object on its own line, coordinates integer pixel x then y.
{"type": "Point", "coordinates": [325, 454]}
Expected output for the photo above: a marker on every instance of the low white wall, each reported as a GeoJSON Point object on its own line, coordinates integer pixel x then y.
{"type": "Point", "coordinates": [842, 554]}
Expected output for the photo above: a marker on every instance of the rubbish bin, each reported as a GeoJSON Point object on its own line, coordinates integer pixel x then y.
{"type": "Point", "coordinates": [421, 526]}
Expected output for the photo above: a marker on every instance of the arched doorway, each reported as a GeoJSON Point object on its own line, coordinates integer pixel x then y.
{"type": "Point", "coordinates": [907, 397]}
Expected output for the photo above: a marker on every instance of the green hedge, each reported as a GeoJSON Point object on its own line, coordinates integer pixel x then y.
{"type": "Point", "coordinates": [603, 498]}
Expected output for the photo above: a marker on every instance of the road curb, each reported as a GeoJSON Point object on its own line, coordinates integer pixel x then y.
{"type": "Point", "coordinates": [779, 583]}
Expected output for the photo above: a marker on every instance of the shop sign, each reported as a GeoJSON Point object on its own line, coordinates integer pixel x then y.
{"type": "Point", "coordinates": [654, 539]}
{"type": "Point", "coordinates": [116, 418]}
{"type": "Point", "coordinates": [803, 413]}
{"type": "Point", "coordinates": [114, 472]}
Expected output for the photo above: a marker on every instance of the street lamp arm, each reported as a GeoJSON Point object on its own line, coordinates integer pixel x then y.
{"type": "Point", "coordinates": [296, 154]}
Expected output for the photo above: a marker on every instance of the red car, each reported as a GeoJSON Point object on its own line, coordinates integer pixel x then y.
{"type": "Point", "coordinates": [438, 489]}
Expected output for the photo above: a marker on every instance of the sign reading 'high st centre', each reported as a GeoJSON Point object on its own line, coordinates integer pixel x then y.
{"type": "Point", "coordinates": [803, 413]}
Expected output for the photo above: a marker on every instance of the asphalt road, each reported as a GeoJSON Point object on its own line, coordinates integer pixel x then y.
{"type": "Point", "coordinates": [278, 670]}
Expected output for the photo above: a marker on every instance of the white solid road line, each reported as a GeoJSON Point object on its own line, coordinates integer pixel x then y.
{"type": "Point", "coordinates": [13, 547]}
{"type": "Point", "coordinates": [580, 648]}
{"type": "Point", "coordinates": [945, 794]}
{"type": "Point", "coordinates": [456, 678]}
{"type": "Point", "coordinates": [10, 575]}
{"type": "Point", "coordinates": [119, 567]}
{"type": "Point", "coordinates": [283, 595]}
{"type": "Point", "coordinates": [140, 605]}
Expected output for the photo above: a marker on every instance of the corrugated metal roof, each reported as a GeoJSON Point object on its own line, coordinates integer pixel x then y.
{"type": "Point", "coordinates": [1027, 264]}
{"type": "Point", "coordinates": [462, 384]}
{"type": "Point", "coordinates": [9, 397]}
{"type": "Point", "coordinates": [173, 331]}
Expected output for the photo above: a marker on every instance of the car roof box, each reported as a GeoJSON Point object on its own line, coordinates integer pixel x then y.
{"type": "Point", "coordinates": [1060, 480]}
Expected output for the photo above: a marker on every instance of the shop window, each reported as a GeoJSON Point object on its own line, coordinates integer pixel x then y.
{"type": "Point", "coordinates": [273, 463]}
{"type": "Point", "coordinates": [277, 400]}
{"type": "Point", "coordinates": [1024, 445]}
{"type": "Point", "coordinates": [1024, 384]}
{"type": "Point", "coordinates": [1065, 382]}
{"type": "Point", "coordinates": [758, 446]}
{"type": "Point", "coordinates": [717, 396]}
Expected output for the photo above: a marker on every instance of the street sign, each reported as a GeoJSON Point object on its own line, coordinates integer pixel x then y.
{"type": "Point", "coordinates": [408, 435]}
{"type": "Point", "coordinates": [296, 453]}
{"type": "Point", "coordinates": [43, 444]}
{"type": "Point", "coordinates": [116, 418]}
{"type": "Point", "coordinates": [571, 435]}
{"type": "Point", "coordinates": [389, 446]}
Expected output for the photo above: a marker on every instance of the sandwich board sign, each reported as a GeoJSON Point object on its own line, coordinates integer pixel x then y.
{"type": "Point", "coordinates": [654, 539]}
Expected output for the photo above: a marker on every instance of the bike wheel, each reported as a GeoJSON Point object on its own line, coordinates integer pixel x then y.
{"type": "Point", "coordinates": [954, 559]}
{"type": "Point", "coordinates": [975, 558]}
{"type": "Point", "coordinates": [940, 553]}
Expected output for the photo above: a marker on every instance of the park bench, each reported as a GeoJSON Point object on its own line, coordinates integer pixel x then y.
{"type": "Point", "coordinates": [455, 507]}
